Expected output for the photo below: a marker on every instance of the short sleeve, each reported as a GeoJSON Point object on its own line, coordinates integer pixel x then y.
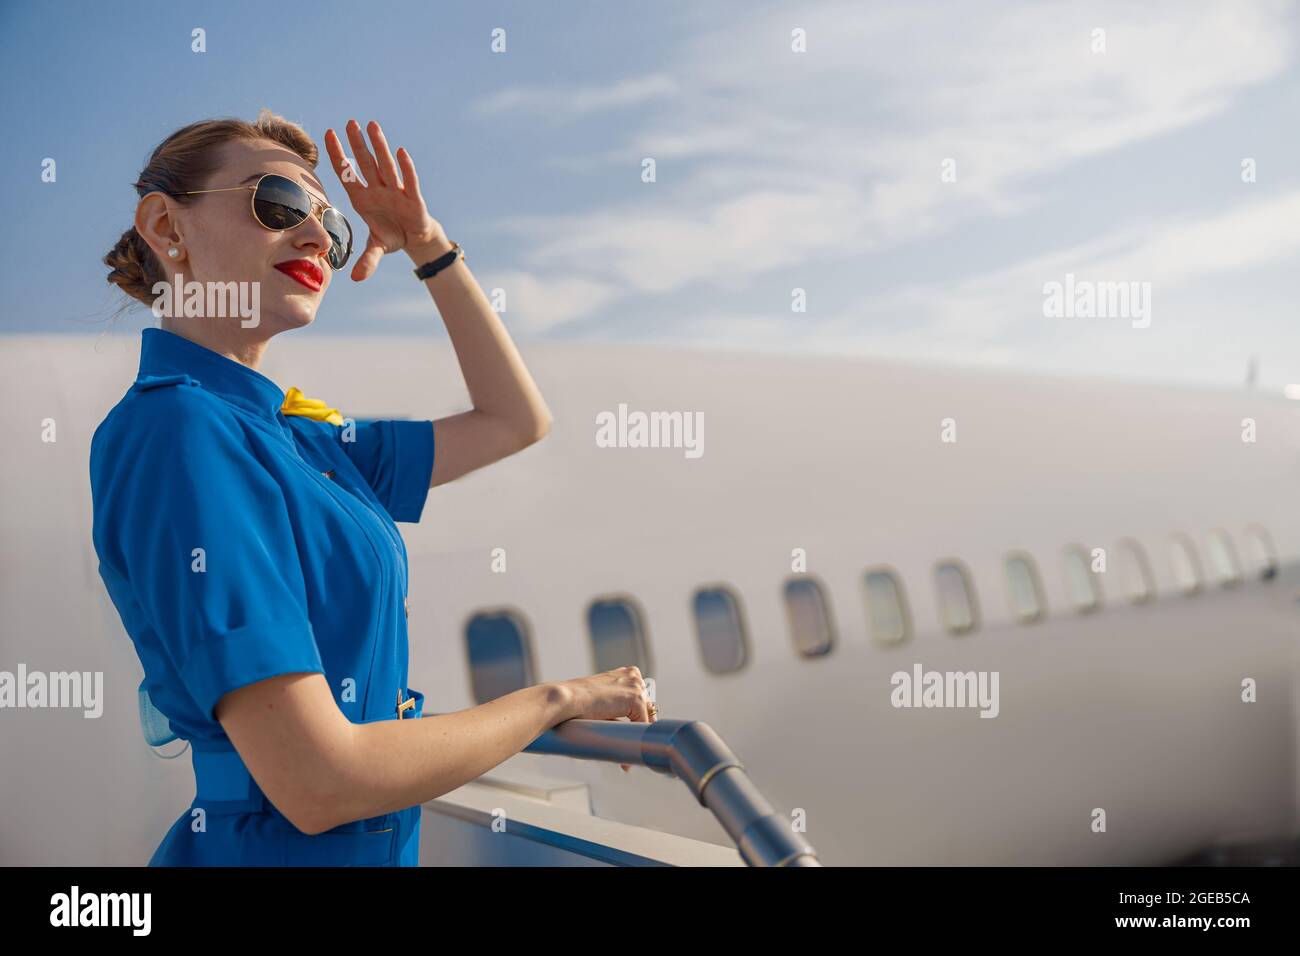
{"type": "Point", "coordinates": [201, 533]}
{"type": "Point", "coordinates": [395, 456]}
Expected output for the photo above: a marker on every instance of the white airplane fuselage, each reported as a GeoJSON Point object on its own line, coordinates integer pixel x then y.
{"type": "Point", "coordinates": [1133, 709]}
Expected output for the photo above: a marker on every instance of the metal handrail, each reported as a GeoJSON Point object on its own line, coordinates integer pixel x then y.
{"type": "Point", "coordinates": [691, 751]}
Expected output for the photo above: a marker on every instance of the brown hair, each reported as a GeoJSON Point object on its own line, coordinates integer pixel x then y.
{"type": "Point", "coordinates": [183, 161]}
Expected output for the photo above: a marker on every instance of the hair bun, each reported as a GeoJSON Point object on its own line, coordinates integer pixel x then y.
{"type": "Point", "coordinates": [130, 272]}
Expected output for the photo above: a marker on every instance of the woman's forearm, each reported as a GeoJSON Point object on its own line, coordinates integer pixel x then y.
{"type": "Point", "coordinates": [498, 382]}
{"type": "Point", "coordinates": [394, 764]}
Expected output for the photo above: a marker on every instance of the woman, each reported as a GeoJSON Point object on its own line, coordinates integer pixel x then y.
{"type": "Point", "coordinates": [247, 538]}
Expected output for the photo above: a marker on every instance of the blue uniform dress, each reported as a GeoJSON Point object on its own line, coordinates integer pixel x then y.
{"type": "Point", "coordinates": [238, 543]}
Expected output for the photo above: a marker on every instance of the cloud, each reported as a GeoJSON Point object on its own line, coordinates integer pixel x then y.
{"type": "Point", "coordinates": [539, 303]}
{"type": "Point", "coordinates": [771, 158]}
{"type": "Point", "coordinates": [723, 242]}
{"type": "Point", "coordinates": [1173, 253]}
{"type": "Point", "coordinates": [533, 304]}
{"type": "Point", "coordinates": [557, 103]}
{"type": "Point", "coordinates": [1202, 273]}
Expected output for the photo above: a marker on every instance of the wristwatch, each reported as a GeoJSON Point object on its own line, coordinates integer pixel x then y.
{"type": "Point", "coordinates": [435, 266]}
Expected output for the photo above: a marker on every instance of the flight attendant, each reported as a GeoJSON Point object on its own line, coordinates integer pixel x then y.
{"type": "Point", "coordinates": [247, 535]}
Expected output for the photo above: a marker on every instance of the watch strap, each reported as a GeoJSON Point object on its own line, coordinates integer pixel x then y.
{"type": "Point", "coordinates": [433, 267]}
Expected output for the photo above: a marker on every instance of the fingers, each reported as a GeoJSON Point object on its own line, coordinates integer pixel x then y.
{"type": "Point", "coordinates": [410, 180]}
{"type": "Point", "coordinates": [640, 709]}
{"type": "Point", "coordinates": [342, 166]}
{"type": "Point", "coordinates": [387, 168]}
{"type": "Point", "coordinates": [362, 152]}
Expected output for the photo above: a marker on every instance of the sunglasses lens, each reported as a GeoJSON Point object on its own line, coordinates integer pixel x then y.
{"type": "Point", "coordinates": [341, 233]}
{"type": "Point", "coordinates": [281, 203]}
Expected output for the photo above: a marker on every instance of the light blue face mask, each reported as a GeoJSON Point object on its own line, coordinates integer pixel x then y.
{"type": "Point", "coordinates": [155, 726]}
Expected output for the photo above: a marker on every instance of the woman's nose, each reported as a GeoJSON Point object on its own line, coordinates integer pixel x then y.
{"type": "Point", "coordinates": [313, 231]}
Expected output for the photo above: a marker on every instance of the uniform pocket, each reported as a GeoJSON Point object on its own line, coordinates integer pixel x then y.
{"type": "Point", "coordinates": [372, 847]}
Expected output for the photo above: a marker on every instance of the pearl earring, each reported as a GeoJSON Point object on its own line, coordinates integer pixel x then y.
{"type": "Point", "coordinates": [173, 252]}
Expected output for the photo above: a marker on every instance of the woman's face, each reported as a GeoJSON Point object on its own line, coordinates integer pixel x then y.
{"type": "Point", "coordinates": [220, 241]}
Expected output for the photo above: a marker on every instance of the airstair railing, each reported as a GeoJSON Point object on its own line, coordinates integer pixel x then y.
{"type": "Point", "coordinates": [691, 751]}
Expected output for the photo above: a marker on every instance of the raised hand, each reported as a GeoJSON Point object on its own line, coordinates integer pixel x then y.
{"type": "Point", "coordinates": [389, 202]}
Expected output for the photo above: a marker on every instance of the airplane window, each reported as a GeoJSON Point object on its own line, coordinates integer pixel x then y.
{"type": "Point", "coordinates": [720, 630]}
{"type": "Point", "coordinates": [957, 608]}
{"type": "Point", "coordinates": [1187, 567]}
{"type": "Point", "coordinates": [499, 658]}
{"type": "Point", "coordinates": [617, 636]}
{"type": "Point", "coordinates": [1260, 555]}
{"type": "Point", "coordinates": [808, 613]}
{"type": "Point", "coordinates": [1080, 581]}
{"type": "Point", "coordinates": [886, 607]}
{"type": "Point", "coordinates": [1223, 559]}
{"type": "Point", "coordinates": [1135, 571]}
{"type": "Point", "coordinates": [1024, 591]}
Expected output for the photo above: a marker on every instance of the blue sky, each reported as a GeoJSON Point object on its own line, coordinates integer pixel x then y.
{"type": "Point", "coordinates": [775, 170]}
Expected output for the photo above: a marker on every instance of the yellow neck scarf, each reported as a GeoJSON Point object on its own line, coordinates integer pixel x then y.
{"type": "Point", "coordinates": [296, 403]}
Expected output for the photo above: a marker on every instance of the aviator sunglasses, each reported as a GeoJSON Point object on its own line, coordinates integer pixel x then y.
{"type": "Point", "coordinates": [279, 203]}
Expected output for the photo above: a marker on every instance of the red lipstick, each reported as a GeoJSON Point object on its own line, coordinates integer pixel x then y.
{"type": "Point", "coordinates": [305, 271]}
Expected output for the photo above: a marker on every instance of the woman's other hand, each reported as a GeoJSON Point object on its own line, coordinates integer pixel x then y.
{"type": "Point", "coordinates": [609, 696]}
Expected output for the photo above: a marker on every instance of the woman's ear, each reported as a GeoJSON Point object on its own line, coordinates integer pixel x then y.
{"type": "Point", "coordinates": [158, 227]}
